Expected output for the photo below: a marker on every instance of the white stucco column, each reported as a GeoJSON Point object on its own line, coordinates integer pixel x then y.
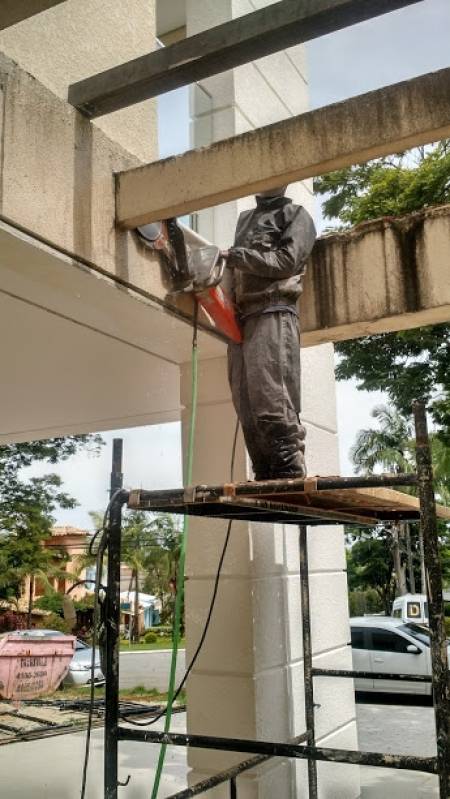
{"type": "Point", "coordinates": [248, 681]}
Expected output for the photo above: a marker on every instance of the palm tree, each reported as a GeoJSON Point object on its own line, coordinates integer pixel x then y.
{"type": "Point", "coordinates": [391, 447]}
{"type": "Point", "coordinates": [151, 549]}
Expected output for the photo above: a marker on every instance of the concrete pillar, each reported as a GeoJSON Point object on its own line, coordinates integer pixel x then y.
{"type": "Point", "coordinates": [248, 681]}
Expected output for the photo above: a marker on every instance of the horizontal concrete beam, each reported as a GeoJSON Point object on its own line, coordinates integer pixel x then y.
{"type": "Point", "coordinates": [14, 11]}
{"type": "Point", "coordinates": [226, 46]}
{"type": "Point", "coordinates": [382, 276]}
{"type": "Point", "coordinates": [381, 122]}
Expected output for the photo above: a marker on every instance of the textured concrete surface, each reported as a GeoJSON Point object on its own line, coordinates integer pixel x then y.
{"type": "Point", "coordinates": [54, 765]}
{"type": "Point", "coordinates": [51, 768]}
{"type": "Point", "coordinates": [79, 38]}
{"type": "Point", "coordinates": [384, 275]}
{"type": "Point", "coordinates": [385, 121]}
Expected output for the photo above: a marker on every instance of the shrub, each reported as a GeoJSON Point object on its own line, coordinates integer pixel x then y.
{"type": "Point", "coordinates": [163, 630]}
{"type": "Point", "coordinates": [361, 602]}
{"type": "Point", "coordinates": [55, 622]}
{"type": "Point", "coordinates": [52, 601]}
{"type": "Point", "coordinates": [150, 638]}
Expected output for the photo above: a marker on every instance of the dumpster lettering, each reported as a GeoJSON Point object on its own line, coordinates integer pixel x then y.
{"type": "Point", "coordinates": [27, 687]}
{"type": "Point", "coordinates": [31, 662]}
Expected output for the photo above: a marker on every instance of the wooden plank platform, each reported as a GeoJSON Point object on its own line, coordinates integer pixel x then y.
{"type": "Point", "coordinates": [310, 501]}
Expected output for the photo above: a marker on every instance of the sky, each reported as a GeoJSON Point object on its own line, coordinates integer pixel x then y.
{"type": "Point", "coordinates": [386, 50]}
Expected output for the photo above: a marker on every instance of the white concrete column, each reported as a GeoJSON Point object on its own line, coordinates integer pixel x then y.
{"type": "Point", "coordinates": [248, 681]}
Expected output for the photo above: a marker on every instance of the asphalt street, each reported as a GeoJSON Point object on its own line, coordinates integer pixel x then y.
{"type": "Point", "coordinates": [149, 669]}
{"type": "Point", "coordinates": [402, 730]}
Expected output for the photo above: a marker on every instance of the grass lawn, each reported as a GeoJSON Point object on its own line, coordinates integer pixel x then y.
{"type": "Point", "coordinates": [137, 694]}
{"type": "Point", "coordinates": [165, 643]}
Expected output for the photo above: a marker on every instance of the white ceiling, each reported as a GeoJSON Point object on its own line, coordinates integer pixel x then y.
{"type": "Point", "coordinates": [79, 354]}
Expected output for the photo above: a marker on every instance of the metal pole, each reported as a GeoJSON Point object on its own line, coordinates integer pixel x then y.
{"type": "Point", "coordinates": [112, 623]}
{"type": "Point", "coordinates": [275, 749]}
{"type": "Point", "coordinates": [307, 657]}
{"type": "Point", "coordinates": [233, 788]}
{"type": "Point", "coordinates": [433, 573]}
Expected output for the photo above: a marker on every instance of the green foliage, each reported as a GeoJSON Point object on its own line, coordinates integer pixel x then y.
{"type": "Point", "coordinates": [390, 446]}
{"type": "Point", "coordinates": [27, 507]}
{"type": "Point", "coordinates": [55, 622]}
{"type": "Point", "coordinates": [51, 601]}
{"type": "Point", "coordinates": [364, 602]}
{"type": "Point", "coordinates": [391, 186]}
{"type": "Point", "coordinates": [163, 630]}
{"type": "Point", "coordinates": [410, 364]}
{"type": "Point", "coordinates": [150, 637]}
{"type": "Point", "coordinates": [370, 563]}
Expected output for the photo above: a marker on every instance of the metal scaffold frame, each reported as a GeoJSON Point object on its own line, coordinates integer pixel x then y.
{"type": "Point", "coordinates": [303, 747]}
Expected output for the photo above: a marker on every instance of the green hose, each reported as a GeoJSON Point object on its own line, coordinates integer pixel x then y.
{"type": "Point", "coordinates": [180, 575]}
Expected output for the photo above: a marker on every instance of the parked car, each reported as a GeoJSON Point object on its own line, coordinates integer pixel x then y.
{"type": "Point", "coordinates": [80, 666]}
{"type": "Point", "coordinates": [384, 644]}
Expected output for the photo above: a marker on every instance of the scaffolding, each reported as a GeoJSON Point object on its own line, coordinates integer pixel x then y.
{"type": "Point", "coordinates": [292, 505]}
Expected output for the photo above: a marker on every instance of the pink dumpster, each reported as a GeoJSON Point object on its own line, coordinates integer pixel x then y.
{"type": "Point", "coordinates": [33, 666]}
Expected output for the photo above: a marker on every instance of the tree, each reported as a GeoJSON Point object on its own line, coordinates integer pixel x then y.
{"type": "Point", "coordinates": [370, 563]}
{"type": "Point", "coordinates": [151, 548]}
{"type": "Point", "coordinates": [392, 447]}
{"type": "Point", "coordinates": [139, 539]}
{"type": "Point", "coordinates": [27, 507]}
{"type": "Point", "coordinates": [388, 447]}
{"type": "Point", "coordinates": [162, 564]}
{"type": "Point", "coordinates": [412, 363]}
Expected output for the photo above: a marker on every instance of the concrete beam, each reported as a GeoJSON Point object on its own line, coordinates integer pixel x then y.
{"type": "Point", "coordinates": [381, 122]}
{"type": "Point", "coordinates": [14, 11]}
{"type": "Point", "coordinates": [224, 47]}
{"type": "Point", "coordinates": [382, 276]}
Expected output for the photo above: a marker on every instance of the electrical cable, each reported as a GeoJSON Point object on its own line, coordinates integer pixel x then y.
{"type": "Point", "coordinates": [211, 605]}
{"type": "Point", "coordinates": [182, 559]}
{"type": "Point", "coordinates": [103, 531]}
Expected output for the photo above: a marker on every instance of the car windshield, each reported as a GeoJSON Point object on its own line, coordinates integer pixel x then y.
{"type": "Point", "coordinates": [418, 631]}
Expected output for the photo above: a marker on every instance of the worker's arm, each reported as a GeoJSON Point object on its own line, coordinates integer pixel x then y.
{"type": "Point", "coordinates": [283, 261]}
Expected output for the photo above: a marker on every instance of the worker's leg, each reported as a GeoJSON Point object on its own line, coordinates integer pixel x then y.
{"type": "Point", "coordinates": [240, 395]}
{"type": "Point", "coordinates": [271, 353]}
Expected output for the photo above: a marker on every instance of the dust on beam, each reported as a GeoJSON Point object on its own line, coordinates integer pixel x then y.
{"type": "Point", "coordinates": [381, 122]}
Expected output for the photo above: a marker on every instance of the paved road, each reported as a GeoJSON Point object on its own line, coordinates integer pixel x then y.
{"type": "Point", "coordinates": [402, 730]}
{"type": "Point", "coordinates": [149, 669]}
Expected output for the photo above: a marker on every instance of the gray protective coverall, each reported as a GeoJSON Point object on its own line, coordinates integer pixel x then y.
{"type": "Point", "coordinates": [268, 260]}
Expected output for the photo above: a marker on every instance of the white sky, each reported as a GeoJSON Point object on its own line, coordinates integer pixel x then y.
{"type": "Point", "coordinates": [395, 47]}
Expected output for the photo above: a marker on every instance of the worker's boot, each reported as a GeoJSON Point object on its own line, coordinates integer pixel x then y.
{"type": "Point", "coordinates": [295, 469]}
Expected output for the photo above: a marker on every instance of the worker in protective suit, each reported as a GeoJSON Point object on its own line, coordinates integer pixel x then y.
{"type": "Point", "coordinates": [268, 261]}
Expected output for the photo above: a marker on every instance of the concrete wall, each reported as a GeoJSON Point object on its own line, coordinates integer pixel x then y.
{"type": "Point", "coordinates": [384, 275]}
{"type": "Point", "coordinates": [81, 37]}
{"type": "Point", "coordinates": [248, 681]}
{"type": "Point", "coordinates": [57, 178]}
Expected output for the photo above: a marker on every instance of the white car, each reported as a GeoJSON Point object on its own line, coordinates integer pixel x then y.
{"type": "Point", "coordinates": [384, 644]}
